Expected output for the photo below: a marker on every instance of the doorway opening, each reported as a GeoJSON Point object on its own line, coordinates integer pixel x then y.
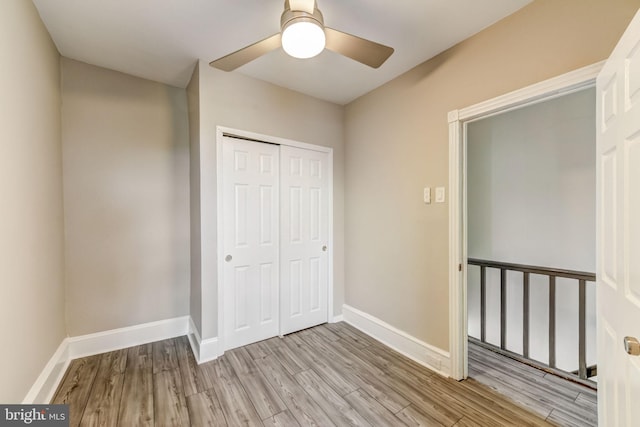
{"type": "Point", "coordinates": [531, 253]}
{"type": "Point", "coordinates": [531, 234]}
{"type": "Point", "coordinates": [499, 276]}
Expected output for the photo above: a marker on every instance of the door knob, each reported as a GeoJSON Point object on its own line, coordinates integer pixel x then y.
{"type": "Point", "coordinates": [324, 249]}
{"type": "Point", "coordinates": [228, 258]}
{"type": "Point", "coordinates": [632, 346]}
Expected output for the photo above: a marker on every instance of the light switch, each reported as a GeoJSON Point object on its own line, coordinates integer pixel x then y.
{"type": "Point", "coordinates": [427, 195]}
{"type": "Point", "coordinates": [439, 194]}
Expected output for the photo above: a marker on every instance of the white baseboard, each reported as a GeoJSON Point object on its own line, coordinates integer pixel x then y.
{"type": "Point", "coordinates": [116, 339]}
{"type": "Point", "coordinates": [47, 382]}
{"type": "Point", "coordinates": [338, 318]}
{"type": "Point", "coordinates": [209, 350]}
{"type": "Point", "coordinates": [88, 345]}
{"type": "Point", "coordinates": [204, 351]}
{"type": "Point", "coordinates": [423, 353]}
{"type": "Point", "coordinates": [194, 339]}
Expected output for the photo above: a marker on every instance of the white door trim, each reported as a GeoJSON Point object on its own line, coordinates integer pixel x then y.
{"type": "Point", "coordinates": [220, 132]}
{"type": "Point", "coordinates": [458, 119]}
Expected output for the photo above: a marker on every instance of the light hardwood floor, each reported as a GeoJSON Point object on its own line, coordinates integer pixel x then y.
{"type": "Point", "coordinates": [328, 375]}
{"type": "Point", "coordinates": [554, 399]}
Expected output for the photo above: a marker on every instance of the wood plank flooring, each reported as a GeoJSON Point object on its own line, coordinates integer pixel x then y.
{"type": "Point", "coordinates": [559, 401]}
{"type": "Point", "coordinates": [329, 375]}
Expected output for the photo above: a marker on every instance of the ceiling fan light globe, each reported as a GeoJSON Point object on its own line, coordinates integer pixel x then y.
{"type": "Point", "coordinates": [303, 39]}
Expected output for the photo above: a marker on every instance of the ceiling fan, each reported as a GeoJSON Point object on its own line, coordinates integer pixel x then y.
{"type": "Point", "coordinates": [303, 35]}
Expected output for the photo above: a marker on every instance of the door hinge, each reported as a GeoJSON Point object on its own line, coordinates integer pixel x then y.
{"type": "Point", "coordinates": [459, 267]}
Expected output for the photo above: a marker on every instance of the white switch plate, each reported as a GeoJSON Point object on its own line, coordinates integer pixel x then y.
{"type": "Point", "coordinates": [427, 195]}
{"type": "Point", "coordinates": [439, 194]}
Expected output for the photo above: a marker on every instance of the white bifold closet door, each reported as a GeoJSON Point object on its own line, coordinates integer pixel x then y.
{"type": "Point", "coordinates": [251, 241]}
{"type": "Point", "coordinates": [275, 226]}
{"type": "Point", "coordinates": [303, 238]}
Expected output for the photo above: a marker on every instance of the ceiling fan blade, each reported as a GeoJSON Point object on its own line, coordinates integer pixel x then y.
{"type": "Point", "coordinates": [302, 5]}
{"type": "Point", "coordinates": [362, 50]}
{"type": "Point", "coordinates": [245, 55]}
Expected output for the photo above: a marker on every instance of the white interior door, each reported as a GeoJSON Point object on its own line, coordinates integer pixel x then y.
{"type": "Point", "coordinates": [251, 241]}
{"type": "Point", "coordinates": [304, 237]}
{"type": "Point", "coordinates": [618, 231]}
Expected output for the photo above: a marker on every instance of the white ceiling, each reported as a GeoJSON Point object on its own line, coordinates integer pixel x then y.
{"type": "Point", "coordinates": [162, 39]}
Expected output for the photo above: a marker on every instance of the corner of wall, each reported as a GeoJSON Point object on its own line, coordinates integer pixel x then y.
{"type": "Point", "coordinates": [203, 350]}
{"type": "Point", "coordinates": [206, 192]}
{"type": "Point", "coordinates": [193, 102]}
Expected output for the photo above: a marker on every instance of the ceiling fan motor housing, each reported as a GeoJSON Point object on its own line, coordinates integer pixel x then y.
{"type": "Point", "coordinates": [303, 32]}
{"type": "Point", "coordinates": [292, 16]}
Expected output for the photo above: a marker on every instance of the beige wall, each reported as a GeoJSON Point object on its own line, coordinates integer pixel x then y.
{"type": "Point", "coordinates": [126, 199]}
{"type": "Point", "coordinates": [31, 220]}
{"type": "Point", "coordinates": [397, 143]}
{"type": "Point", "coordinates": [240, 102]}
{"type": "Point", "coordinates": [195, 296]}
